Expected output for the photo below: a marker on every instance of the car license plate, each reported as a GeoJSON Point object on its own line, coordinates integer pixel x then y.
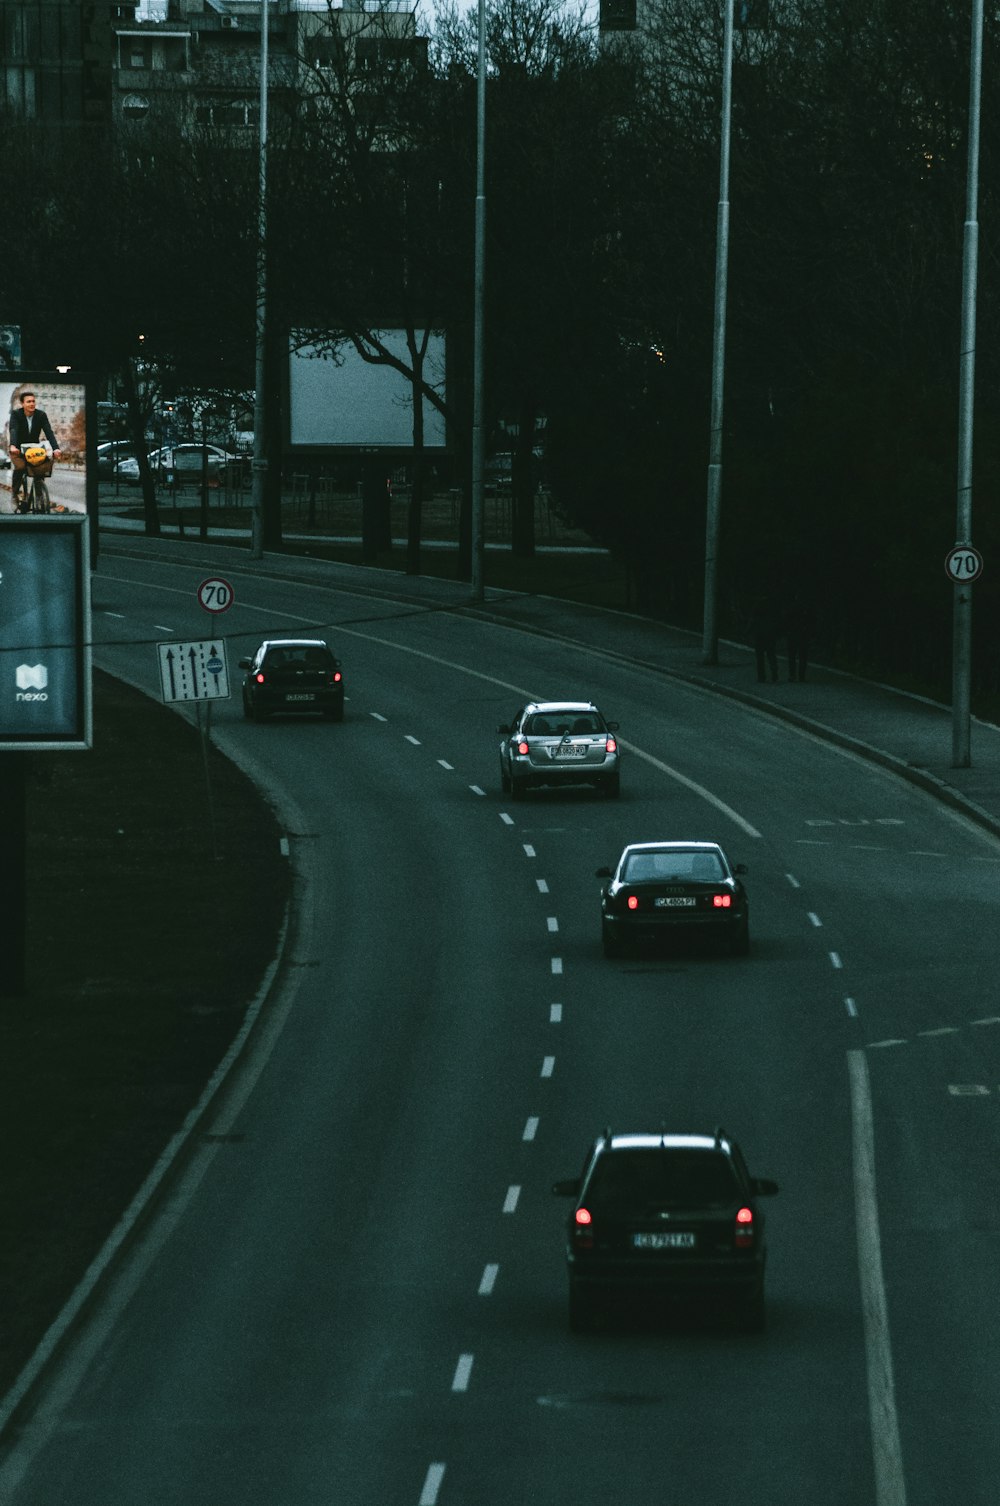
{"type": "Point", "coordinates": [300, 696]}
{"type": "Point", "coordinates": [668, 901]}
{"type": "Point", "coordinates": [572, 750]}
{"type": "Point", "coordinates": [663, 1241]}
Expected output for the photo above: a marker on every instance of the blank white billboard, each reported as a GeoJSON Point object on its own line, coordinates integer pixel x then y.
{"type": "Point", "coordinates": [340, 399]}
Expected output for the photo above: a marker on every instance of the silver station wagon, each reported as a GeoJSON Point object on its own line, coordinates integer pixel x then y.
{"type": "Point", "coordinates": [559, 743]}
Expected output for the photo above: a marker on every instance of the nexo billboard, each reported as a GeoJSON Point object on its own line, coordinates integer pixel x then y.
{"type": "Point", "coordinates": [45, 682]}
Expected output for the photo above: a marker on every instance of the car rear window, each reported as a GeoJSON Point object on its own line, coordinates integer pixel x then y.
{"type": "Point", "coordinates": [560, 723]}
{"type": "Point", "coordinates": [299, 658]}
{"type": "Point", "coordinates": [631, 1180]}
{"type": "Point", "coordinates": [642, 867]}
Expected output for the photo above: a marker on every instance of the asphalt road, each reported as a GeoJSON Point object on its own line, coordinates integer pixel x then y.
{"type": "Point", "coordinates": [355, 1293]}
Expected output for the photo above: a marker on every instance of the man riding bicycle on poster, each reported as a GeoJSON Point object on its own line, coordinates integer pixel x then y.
{"type": "Point", "coordinates": [29, 424]}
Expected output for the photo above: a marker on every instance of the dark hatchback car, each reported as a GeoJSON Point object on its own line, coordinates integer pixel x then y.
{"type": "Point", "coordinates": [660, 889]}
{"type": "Point", "coordinates": [674, 1216]}
{"type": "Point", "coordinates": [293, 675]}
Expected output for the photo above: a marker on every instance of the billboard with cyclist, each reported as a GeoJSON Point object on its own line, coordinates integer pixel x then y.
{"type": "Point", "coordinates": [43, 444]}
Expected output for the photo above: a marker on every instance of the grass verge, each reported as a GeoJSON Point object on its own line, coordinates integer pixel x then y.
{"type": "Point", "coordinates": [144, 949]}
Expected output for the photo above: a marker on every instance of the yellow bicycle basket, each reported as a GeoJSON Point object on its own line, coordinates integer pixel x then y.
{"type": "Point", "coordinates": [36, 454]}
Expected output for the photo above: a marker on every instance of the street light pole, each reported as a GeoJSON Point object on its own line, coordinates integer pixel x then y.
{"type": "Point", "coordinates": [961, 756]}
{"type": "Point", "coordinates": [259, 467]}
{"type": "Point", "coordinates": [710, 639]}
{"type": "Point", "coordinates": [478, 583]}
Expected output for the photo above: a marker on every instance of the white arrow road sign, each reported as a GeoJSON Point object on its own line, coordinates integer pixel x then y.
{"type": "Point", "coordinates": [194, 671]}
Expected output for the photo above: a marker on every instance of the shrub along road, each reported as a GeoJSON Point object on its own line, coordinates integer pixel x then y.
{"type": "Point", "coordinates": [143, 949]}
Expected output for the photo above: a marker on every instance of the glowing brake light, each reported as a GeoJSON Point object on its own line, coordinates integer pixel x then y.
{"type": "Point", "coordinates": [259, 677]}
{"type": "Point", "coordinates": [744, 1229]}
{"type": "Point", "coordinates": [722, 901]}
{"type": "Point", "coordinates": [337, 676]}
{"type": "Point", "coordinates": [633, 902]}
{"type": "Point", "coordinates": [583, 1216]}
{"type": "Point", "coordinates": [522, 748]}
{"type": "Point", "coordinates": [611, 746]}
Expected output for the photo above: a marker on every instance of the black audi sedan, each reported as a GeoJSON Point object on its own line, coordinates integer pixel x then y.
{"type": "Point", "coordinates": [667, 888]}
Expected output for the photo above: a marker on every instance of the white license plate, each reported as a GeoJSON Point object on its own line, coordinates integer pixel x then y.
{"type": "Point", "coordinates": [300, 697]}
{"type": "Point", "coordinates": [572, 750]}
{"type": "Point", "coordinates": [663, 1241]}
{"type": "Point", "coordinates": [674, 900]}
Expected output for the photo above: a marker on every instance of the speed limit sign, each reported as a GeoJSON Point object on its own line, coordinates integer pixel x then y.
{"type": "Point", "coordinates": [963, 564]}
{"type": "Point", "coordinates": [215, 594]}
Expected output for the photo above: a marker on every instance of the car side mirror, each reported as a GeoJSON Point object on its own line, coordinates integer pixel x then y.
{"type": "Point", "coordinates": [764, 1187]}
{"type": "Point", "coordinates": [739, 867]}
{"type": "Point", "coordinates": [245, 663]}
{"type": "Point", "coordinates": [568, 1188]}
{"type": "Point", "coordinates": [602, 872]}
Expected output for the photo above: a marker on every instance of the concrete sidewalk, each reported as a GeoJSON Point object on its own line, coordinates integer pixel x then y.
{"type": "Point", "coordinates": [906, 733]}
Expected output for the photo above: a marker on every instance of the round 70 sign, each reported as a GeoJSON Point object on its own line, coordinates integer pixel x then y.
{"type": "Point", "coordinates": [963, 563]}
{"type": "Point", "coordinates": [215, 594]}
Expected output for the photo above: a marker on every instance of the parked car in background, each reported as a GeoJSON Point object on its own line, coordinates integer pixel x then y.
{"type": "Point", "coordinates": [185, 460]}
{"type": "Point", "coordinates": [111, 454]}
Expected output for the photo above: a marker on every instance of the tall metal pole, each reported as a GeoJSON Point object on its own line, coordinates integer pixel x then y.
{"type": "Point", "coordinates": [710, 639]}
{"type": "Point", "coordinates": [478, 587]}
{"type": "Point", "coordinates": [961, 756]}
{"type": "Point", "coordinates": [259, 469]}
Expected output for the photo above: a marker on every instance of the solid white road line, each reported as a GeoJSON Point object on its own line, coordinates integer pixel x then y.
{"type": "Point", "coordinates": [697, 789]}
{"type": "Point", "coordinates": [890, 1488]}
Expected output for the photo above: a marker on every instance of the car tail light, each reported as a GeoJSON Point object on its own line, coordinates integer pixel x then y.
{"type": "Point", "coordinates": [722, 901]}
{"type": "Point", "coordinates": [522, 748]}
{"type": "Point", "coordinates": [584, 1232]}
{"type": "Point", "coordinates": [259, 677]}
{"type": "Point", "coordinates": [337, 677]}
{"type": "Point", "coordinates": [633, 902]}
{"type": "Point", "coordinates": [744, 1235]}
{"type": "Point", "coordinates": [611, 746]}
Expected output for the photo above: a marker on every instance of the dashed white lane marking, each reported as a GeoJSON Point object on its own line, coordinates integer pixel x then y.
{"type": "Point", "coordinates": [119, 615]}
{"type": "Point", "coordinates": [881, 1045]}
{"type": "Point", "coordinates": [507, 820]}
{"type": "Point", "coordinates": [283, 847]}
{"type": "Point", "coordinates": [529, 851]}
{"type": "Point", "coordinates": [432, 1484]}
{"type": "Point", "coordinates": [555, 1014]}
{"type": "Point", "coordinates": [556, 965]}
{"type": "Point", "coordinates": [851, 1007]}
{"type": "Point", "coordinates": [162, 627]}
{"type": "Point", "coordinates": [992, 1019]}
{"type": "Point", "coordinates": [543, 887]}
{"type": "Point", "coordinates": [793, 880]}
{"type": "Point", "coordinates": [378, 716]}
{"type": "Point", "coordinates": [488, 1280]}
{"type": "Point", "coordinates": [548, 1066]}
{"type": "Point", "coordinates": [463, 1370]}
{"type": "Point", "coordinates": [552, 923]}
{"type": "Point", "coordinates": [414, 740]}
{"type": "Point", "coordinates": [835, 960]}
{"type": "Point", "coordinates": [530, 1127]}
{"type": "Point", "coordinates": [814, 918]}
{"type": "Point", "coordinates": [476, 790]}
{"type": "Point", "coordinates": [890, 1488]}
{"type": "Point", "coordinates": [510, 1201]}
{"type": "Point", "coordinates": [445, 765]}
{"type": "Point", "coordinates": [941, 1030]}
